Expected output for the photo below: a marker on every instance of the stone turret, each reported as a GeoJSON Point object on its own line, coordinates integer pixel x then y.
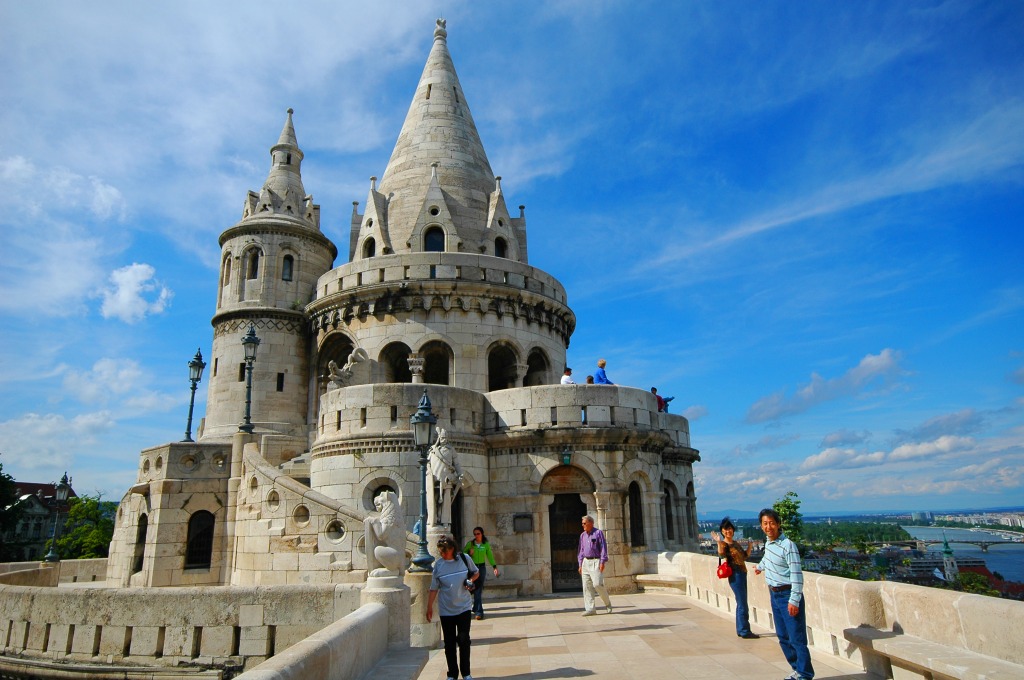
{"type": "Point", "coordinates": [270, 261]}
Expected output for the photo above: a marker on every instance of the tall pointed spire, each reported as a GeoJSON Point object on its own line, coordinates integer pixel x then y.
{"type": "Point", "coordinates": [438, 128]}
{"type": "Point", "coordinates": [283, 193]}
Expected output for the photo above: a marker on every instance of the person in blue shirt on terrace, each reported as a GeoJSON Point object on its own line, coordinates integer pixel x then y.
{"type": "Point", "coordinates": [600, 377]}
{"type": "Point", "coordinates": [785, 579]}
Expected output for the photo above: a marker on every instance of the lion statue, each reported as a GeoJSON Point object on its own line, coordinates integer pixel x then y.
{"type": "Point", "coordinates": [385, 537]}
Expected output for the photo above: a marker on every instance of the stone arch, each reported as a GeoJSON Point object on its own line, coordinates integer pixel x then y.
{"type": "Point", "coordinates": [369, 248]}
{"type": "Point", "coordinates": [139, 556]}
{"type": "Point", "coordinates": [538, 369]}
{"type": "Point", "coordinates": [500, 247]}
{"type": "Point", "coordinates": [567, 479]}
{"type": "Point", "coordinates": [225, 277]}
{"type": "Point", "coordinates": [502, 366]}
{"type": "Point", "coordinates": [635, 506]}
{"type": "Point", "coordinates": [394, 363]}
{"type": "Point", "coordinates": [336, 346]}
{"type": "Point", "coordinates": [438, 362]}
{"type": "Point", "coordinates": [671, 501]}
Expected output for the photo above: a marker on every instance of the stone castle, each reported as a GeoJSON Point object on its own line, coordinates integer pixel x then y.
{"type": "Point", "coordinates": [437, 294]}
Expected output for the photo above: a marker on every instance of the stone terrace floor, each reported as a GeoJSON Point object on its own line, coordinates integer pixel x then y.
{"type": "Point", "coordinates": [649, 636]}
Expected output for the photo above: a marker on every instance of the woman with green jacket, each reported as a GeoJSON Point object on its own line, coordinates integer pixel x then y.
{"type": "Point", "coordinates": [479, 548]}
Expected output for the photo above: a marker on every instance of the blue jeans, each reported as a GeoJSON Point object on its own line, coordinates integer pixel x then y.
{"type": "Point", "coordinates": [738, 583]}
{"type": "Point", "coordinates": [478, 592]}
{"type": "Point", "coordinates": [792, 634]}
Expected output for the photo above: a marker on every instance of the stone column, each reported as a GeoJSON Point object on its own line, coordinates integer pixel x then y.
{"type": "Point", "coordinates": [421, 632]}
{"type": "Point", "coordinates": [416, 367]}
{"type": "Point", "coordinates": [521, 370]}
{"type": "Point", "coordinates": [391, 592]}
{"type": "Point", "coordinates": [654, 520]}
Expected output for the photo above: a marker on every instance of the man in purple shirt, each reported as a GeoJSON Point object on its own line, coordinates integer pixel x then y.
{"type": "Point", "coordinates": [592, 556]}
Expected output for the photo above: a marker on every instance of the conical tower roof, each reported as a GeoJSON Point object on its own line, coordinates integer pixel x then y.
{"type": "Point", "coordinates": [438, 132]}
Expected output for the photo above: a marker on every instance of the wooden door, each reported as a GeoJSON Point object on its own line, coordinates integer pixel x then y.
{"type": "Point", "coordinates": [564, 529]}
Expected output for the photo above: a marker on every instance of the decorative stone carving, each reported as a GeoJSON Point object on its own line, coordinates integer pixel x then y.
{"type": "Point", "coordinates": [385, 537]}
{"type": "Point", "coordinates": [342, 377]}
{"type": "Point", "coordinates": [447, 473]}
{"type": "Point", "coordinates": [416, 367]}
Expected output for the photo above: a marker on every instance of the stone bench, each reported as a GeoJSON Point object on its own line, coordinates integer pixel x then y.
{"type": "Point", "coordinates": [500, 588]}
{"type": "Point", "coordinates": [905, 657]}
{"type": "Point", "coordinates": [656, 582]}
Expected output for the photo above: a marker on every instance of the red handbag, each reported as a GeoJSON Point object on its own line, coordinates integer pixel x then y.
{"type": "Point", "coordinates": [724, 570]}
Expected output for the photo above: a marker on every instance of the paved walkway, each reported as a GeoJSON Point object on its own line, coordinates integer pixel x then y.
{"type": "Point", "coordinates": [649, 636]}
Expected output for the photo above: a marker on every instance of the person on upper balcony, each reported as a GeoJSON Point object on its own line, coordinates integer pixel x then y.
{"type": "Point", "coordinates": [600, 377]}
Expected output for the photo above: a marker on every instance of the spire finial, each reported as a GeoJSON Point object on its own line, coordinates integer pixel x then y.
{"type": "Point", "coordinates": [290, 111]}
{"type": "Point", "coordinates": [440, 33]}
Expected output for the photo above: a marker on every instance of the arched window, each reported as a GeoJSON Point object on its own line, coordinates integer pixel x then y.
{"type": "Point", "coordinates": [227, 271]}
{"type": "Point", "coordinates": [500, 248]}
{"type": "Point", "coordinates": [670, 502]}
{"type": "Point", "coordinates": [636, 516]}
{"type": "Point", "coordinates": [254, 265]}
{"type": "Point", "coordinates": [287, 267]}
{"type": "Point", "coordinates": [199, 544]}
{"type": "Point", "coordinates": [537, 369]}
{"type": "Point", "coordinates": [501, 368]}
{"type": "Point", "coordinates": [437, 360]}
{"type": "Point", "coordinates": [140, 543]}
{"type": "Point", "coordinates": [433, 240]}
{"type": "Point", "coordinates": [369, 248]}
{"type": "Point", "coordinates": [394, 360]}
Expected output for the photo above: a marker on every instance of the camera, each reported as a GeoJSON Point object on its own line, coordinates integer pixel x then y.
{"type": "Point", "coordinates": [469, 585]}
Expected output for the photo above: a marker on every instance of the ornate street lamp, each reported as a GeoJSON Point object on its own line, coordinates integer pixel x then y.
{"type": "Point", "coordinates": [422, 423]}
{"type": "Point", "coordinates": [249, 342]}
{"type": "Point", "coordinates": [61, 491]}
{"type": "Point", "coordinates": [195, 374]}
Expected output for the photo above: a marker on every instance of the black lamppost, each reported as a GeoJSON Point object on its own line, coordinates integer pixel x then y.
{"type": "Point", "coordinates": [422, 423]}
{"type": "Point", "coordinates": [195, 374]}
{"type": "Point", "coordinates": [61, 490]}
{"type": "Point", "coordinates": [249, 342]}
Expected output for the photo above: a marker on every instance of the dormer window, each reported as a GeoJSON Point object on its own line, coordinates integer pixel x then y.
{"type": "Point", "coordinates": [500, 248]}
{"type": "Point", "coordinates": [369, 248]}
{"type": "Point", "coordinates": [433, 240]}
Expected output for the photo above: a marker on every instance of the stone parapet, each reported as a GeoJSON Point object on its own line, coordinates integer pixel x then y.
{"type": "Point", "coordinates": [958, 622]}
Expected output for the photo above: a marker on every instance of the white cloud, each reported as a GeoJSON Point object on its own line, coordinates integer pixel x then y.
{"type": "Point", "coordinates": [696, 412]}
{"type": "Point", "coordinates": [941, 446]}
{"type": "Point", "coordinates": [107, 378]}
{"type": "Point", "coordinates": [842, 458]}
{"type": "Point", "coordinates": [843, 438]}
{"type": "Point", "coordinates": [126, 298]}
{"type": "Point", "coordinates": [41, 441]}
{"type": "Point", "coordinates": [818, 390]}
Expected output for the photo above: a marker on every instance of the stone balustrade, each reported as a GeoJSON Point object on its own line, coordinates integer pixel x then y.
{"type": "Point", "coordinates": [964, 626]}
{"type": "Point", "coordinates": [219, 627]}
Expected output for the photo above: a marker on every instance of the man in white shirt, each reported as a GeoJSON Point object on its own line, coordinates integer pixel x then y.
{"type": "Point", "coordinates": [567, 377]}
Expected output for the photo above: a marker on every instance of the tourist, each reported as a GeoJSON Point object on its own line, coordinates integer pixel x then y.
{"type": "Point", "coordinates": [600, 377]}
{"type": "Point", "coordinates": [593, 554]}
{"type": "Point", "coordinates": [590, 380]}
{"type": "Point", "coordinates": [479, 548]}
{"type": "Point", "coordinates": [785, 579]}
{"type": "Point", "coordinates": [449, 585]}
{"type": "Point", "coordinates": [567, 377]}
{"type": "Point", "coordinates": [736, 557]}
{"type": "Point", "coordinates": [663, 401]}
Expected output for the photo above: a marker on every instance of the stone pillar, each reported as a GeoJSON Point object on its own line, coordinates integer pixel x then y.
{"type": "Point", "coordinates": [391, 592]}
{"type": "Point", "coordinates": [654, 520]}
{"type": "Point", "coordinates": [421, 632]}
{"type": "Point", "coordinates": [521, 370]}
{"type": "Point", "coordinates": [416, 367]}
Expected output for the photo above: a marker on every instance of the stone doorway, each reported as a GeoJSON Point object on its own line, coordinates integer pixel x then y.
{"type": "Point", "coordinates": [564, 523]}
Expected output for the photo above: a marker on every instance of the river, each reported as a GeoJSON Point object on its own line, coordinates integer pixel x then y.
{"type": "Point", "coordinates": [1007, 559]}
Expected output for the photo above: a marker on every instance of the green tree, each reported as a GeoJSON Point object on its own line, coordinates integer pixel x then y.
{"type": "Point", "coordinates": [10, 513]}
{"type": "Point", "coordinates": [89, 528]}
{"type": "Point", "coordinates": [788, 508]}
{"type": "Point", "coordinates": [970, 582]}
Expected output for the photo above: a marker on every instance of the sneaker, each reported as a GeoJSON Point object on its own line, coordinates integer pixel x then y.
{"type": "Point", "coordinates": [589, 612]}
{"type": "Point", "coordinates": [479, 617]}
{"type": "Point", "coordinates": [752, 636]}
{"type": "Point", "coordinates": [467, 677]}
{"type": "Point", "coordinates": [609, 610]}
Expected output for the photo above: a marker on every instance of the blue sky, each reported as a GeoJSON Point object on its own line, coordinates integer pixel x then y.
{"type": "Point", "coordinates": [802, 220]}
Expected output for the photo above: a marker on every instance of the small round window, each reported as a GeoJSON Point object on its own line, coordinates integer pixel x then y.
{"type": "Point", "coordinates": [301, 515]}
{"type": "Point", "coordinates": [273, 500]}
{"type": "Point", "coordinates": [434, 210]}
{"type": "Point", "coordinates": [335, 531]}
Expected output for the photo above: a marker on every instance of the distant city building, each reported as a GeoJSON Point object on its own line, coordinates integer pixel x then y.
{"type": "Point", "coordinates": [921, 516]}
{"type": "Point", "coordinates": [40, 510]}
